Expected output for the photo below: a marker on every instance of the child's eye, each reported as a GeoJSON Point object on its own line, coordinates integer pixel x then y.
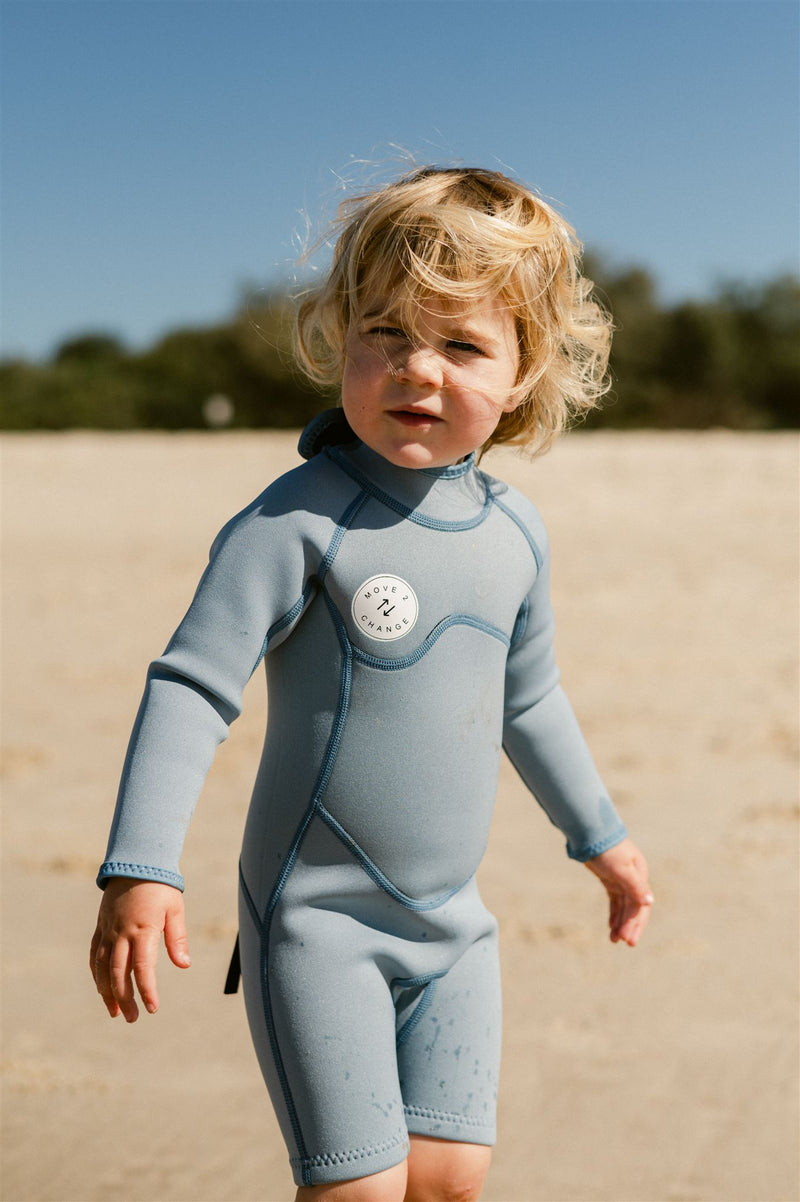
{"type": "Point", "coordinates": [466, 348]}
{"type": "Point", "coordinates": [386, 332]}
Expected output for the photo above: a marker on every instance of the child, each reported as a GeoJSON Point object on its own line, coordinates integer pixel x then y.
{"type": "Point", "coordinates": [400, 597]}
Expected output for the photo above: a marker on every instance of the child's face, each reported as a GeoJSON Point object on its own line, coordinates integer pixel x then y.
{"type": "Point", "coordinates": [429, 397]}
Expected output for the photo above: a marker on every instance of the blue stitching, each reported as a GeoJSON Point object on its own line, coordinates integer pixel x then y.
{"type": "Point", "coordinates": [332, 750]}
{"type": "Point", "coordinates": [537, 555]}
{"type": "Point", "coordinates": [289, 862]}
{"type": "Point", "coordinates": [287, 619]}
{"type": "Point", "coordinates": [266, 1001]}
{"type": "Point", "coordinates": [112, 868]}
{"type": "Point", "coordinates": [289, 616]}
{"type": "Point", "coordinates": [251, 905]}
{"type": "Point", "coordinates": [327, 1158]}
{"type": "Point", "coordinates": [449, 473]}
{"type": "Point", "coordinates": [408, 661]}
{"type": "Point", "coordinates": [413, 515]}
{"type": "Point", "coordinates": [263, 929]}
{"type": "Point", "coordinates": [324, 567]}
{"type": "Point", "coordinates": [342, 527]}
{"type": "Point", "coordinates": [373, 871]}
{"type": "Point", "coordinates": [521, 623]}
{"type": "Point", "coordinates": [425, 1112]}
{"type": "Point", "coordinates": [410, 1025]}
{"type": "Point", "coordinates": [328, 759]}
{"type": "Point", "coordinates": [424, 978]}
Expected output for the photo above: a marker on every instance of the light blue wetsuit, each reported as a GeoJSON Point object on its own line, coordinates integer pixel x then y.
{"type": "Point", "coordinates": [408, 635]}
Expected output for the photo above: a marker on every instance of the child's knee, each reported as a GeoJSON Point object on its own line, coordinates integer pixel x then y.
{"type": "Point", "coordinates": [442, 1171]}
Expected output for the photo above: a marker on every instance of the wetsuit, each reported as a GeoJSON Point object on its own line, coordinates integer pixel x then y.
{"type": "Point", "coordinates": [406, 625]}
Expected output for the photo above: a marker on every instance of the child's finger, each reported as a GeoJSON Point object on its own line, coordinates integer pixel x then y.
{"type": "Point", "coordinates": [93, 961]}
{"type": "Point", "coordinates": [121, 981]}
{"type": "Point", "coordinates": [633, 927]}
{"type": "Point", "coordinates": [102, 976]}
{"type": "Point", "coordinates": [144, 956]}
{"type": "Point", "coordinates": [614, 916]}
{"type": "Point", "coordinates": [175, 938]}
{"type": "Point", "coordinates": [93, 949]}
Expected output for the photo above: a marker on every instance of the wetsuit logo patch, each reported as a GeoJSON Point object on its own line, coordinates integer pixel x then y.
{"type": "Point", "coordinates": [385, 607]}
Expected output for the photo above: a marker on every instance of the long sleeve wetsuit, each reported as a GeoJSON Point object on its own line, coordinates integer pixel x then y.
{"type": "Point", "coordinates": [405, 621]}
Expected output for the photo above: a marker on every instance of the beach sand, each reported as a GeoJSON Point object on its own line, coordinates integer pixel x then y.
{"type": "Point", "coordinates": [664, 1074]}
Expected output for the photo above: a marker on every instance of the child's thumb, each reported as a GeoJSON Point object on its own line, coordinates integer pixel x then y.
{"type": "Point", "coordinates": [176, 942]}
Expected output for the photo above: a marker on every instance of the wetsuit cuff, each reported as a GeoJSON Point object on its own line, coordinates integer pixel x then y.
{"type": "Point", "coordinates": [138, 872]}
{"type": "Point", "coordinates": [590, 850]}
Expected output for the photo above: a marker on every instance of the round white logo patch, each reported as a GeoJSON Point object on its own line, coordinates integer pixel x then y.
{"type": "Point", "coordinates": [385, 607]}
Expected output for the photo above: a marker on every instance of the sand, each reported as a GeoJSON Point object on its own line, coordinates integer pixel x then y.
{"type": "Point", "coordinates": [662, 1074]}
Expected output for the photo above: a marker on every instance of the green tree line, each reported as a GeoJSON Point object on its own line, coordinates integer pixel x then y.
{"type": "Point", "coordinates": [732, 360]}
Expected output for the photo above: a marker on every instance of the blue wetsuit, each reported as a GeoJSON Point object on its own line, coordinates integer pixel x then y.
{"type": "Point", "coordinates": [407, 629]}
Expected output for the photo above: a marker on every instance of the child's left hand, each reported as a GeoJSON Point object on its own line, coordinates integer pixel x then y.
{"type": "Point", "coordinates": [623, 871]}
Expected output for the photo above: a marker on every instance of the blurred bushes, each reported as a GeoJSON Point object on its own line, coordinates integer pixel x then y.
{"type": "Point", "coordinates": [733, 360]}
{"type": "Point", "coordinates": [730, 361]}
{"type": "Point", "coordinates": [93, 381]}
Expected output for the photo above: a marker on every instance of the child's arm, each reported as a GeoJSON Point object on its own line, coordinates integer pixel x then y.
{"type": "Point", "coordinates": [133, 915]}
{"type": "Point", "coordinates": [542, 737]}
{"type": "Point", "coordinates": [544, 742]}
{"type": "Point", "coordinates": [252, 592]}
{"type": "Point", "coordinates": [623, 871]}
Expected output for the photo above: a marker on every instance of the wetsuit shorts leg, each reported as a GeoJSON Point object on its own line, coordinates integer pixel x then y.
{"type": "Point", "coordinates": [371, 1018]}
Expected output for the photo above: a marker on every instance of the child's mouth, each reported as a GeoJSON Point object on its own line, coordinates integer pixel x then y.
{"type": "Point", "coordinates": [412, 419]}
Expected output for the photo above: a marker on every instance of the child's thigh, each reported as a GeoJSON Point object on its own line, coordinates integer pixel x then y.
{"type": "Point", "coordinates": [449, 1055]}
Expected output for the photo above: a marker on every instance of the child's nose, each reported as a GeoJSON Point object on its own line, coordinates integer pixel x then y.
{"type": "Point", "coordinates": [421, 365]}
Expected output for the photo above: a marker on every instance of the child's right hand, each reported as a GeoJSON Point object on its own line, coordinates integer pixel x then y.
{"type": "Point", "coordinates": [133, 915]}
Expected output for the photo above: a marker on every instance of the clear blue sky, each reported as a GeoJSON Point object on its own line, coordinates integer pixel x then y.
{"type": "Point", "coordinates": [161, 154]}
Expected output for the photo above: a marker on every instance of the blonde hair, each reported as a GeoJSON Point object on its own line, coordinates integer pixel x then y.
{"type": "Point", "coordinates": [462, 235]}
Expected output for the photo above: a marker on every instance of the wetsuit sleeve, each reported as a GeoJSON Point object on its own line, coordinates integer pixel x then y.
{"type": "Point", "coordinates": [543, 740]}
{"type": "Point", "coordinates": [252, 590]}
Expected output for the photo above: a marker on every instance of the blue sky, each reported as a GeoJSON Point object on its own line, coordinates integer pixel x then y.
{"type": "Point", "coordinates": [159, 155]}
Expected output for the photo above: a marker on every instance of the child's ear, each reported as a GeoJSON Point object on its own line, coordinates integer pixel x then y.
{"type": "Point", "coordinates": [515, 399]}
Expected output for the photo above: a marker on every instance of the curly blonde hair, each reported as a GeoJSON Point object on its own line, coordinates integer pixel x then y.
{"type": "Point", "coordinates": [462, 235]}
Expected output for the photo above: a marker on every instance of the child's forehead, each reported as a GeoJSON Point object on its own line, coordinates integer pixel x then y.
{"type": "Point", "coordinates": [421, 309]}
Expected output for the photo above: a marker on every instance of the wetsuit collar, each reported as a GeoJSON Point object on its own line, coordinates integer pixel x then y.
{"type": "Point", "coordinates": [454, 493]}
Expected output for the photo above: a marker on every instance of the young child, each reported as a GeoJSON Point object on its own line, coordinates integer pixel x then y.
{"type": "Point", "coordinates": [400, 598]}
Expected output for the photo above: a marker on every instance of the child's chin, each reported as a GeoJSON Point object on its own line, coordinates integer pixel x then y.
{"type": "Point", "coordinates": [416, 455]}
